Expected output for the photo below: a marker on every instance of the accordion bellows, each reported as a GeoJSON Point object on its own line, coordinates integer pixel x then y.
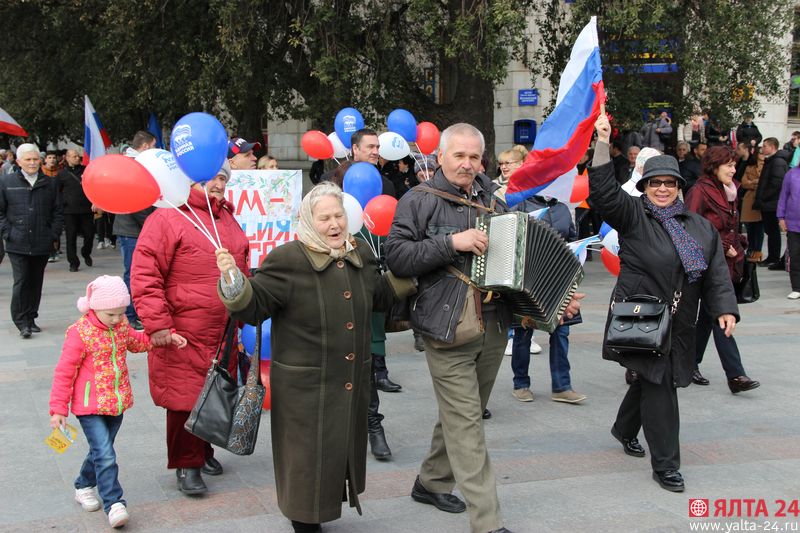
{"type": "Point", "coordinates": [530, 265]}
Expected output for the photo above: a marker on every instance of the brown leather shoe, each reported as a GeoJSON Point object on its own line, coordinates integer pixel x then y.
{"type": "Point", "coordinates": [742, 384]}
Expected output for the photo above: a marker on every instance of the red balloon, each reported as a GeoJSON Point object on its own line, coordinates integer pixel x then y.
{"type": "Point", "coordinates": [317, 145]}
{"type": "Point", "coordinates": [119, 184]}
{"type": "Point", "coordinates": [580, 188]}
{"type": "Point", "coordinates": [378, 214]}
{"type": "Point", "coordinates": [264, 368]}
{"type": "Point", "coordinates": [427, 137]}
{"type": "Point", "coordinates": [610, 261]}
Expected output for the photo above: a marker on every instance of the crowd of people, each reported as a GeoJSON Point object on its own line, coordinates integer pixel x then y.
{"type": "Point", "coordinates": [682, 243]}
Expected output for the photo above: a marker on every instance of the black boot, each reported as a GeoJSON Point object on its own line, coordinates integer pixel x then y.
{"type": "Point", "coordinates": [190, 481]}
{"type": "Point", "coordinates": [302, 527]}
{"type": "Point", "coordinates": [377, 443]}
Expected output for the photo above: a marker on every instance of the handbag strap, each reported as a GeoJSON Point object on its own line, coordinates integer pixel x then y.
{"type": "Point", "coordinates": [255, 360]}
{"type": "Point", "coordinates": [226, 344]}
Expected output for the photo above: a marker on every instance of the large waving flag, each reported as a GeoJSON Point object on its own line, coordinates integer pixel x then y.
{"type": "Point", "coordinates": [10, 126]}
{"type": "Point", "coordinates": [95, 136]}
{"type": "Point", "coordinates": [566, 133]}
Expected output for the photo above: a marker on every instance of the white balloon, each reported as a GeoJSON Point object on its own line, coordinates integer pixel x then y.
{"type": "Point", "coordinates": [355, 219]}
{"type": "Point", "coordinates": [611, 241]}
{"type": "Point", "coordinates": [174, 184]}
{"type": "Point", "coordinates": [339, 149]}
{"type": "Point", "coordinates": [393, 146]}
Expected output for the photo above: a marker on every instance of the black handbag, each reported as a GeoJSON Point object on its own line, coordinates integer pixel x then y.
{"type": "Point", "coordinates": [747, 290]}
{"type": "Point", "coordinates": [641, 325]}
{"type": "Point", "coordinates": [228, 414]}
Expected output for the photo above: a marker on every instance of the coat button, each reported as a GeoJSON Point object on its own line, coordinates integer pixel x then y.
{"type": "Point", "coordinates": [347, 295]}
{"type": "Point", "coordinates": [340, 263]}
{"type": "Point", "coordinates": [460, 209]}
{"type": "Point", "coordinates": [348, 386]}
{"type": "Point", "coordinates": [349, 325]}
{"type": "Point", "coordinates": [446, 307]}
{"type": "Point", "coordinates": [350, 356]}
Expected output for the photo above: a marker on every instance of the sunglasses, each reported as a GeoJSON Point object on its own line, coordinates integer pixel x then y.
{"type": "Point", "coordinates": [656, 183]}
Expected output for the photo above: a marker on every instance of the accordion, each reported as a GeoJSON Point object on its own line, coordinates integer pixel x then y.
{"type": "Point", "coordinates": [530, 265]}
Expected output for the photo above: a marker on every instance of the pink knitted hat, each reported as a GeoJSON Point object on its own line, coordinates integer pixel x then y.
{"type": "Point", "coordinates": [106, 292]}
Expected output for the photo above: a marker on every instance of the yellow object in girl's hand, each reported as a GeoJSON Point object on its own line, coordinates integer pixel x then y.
{"type": "Point", "coordinates": [61, 438]}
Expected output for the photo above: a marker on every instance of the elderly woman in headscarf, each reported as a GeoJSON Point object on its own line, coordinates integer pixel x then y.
{"type": "Point", "coordinates": [320, 292]}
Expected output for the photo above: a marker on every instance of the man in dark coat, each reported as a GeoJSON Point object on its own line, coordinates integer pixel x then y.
{"type": "Point", "coordinates": [30, 221]}
{"type": "Point", "coordinates": [433, 239]}
{"type": "Point", "coordinates": [776, 165]}
{"type": "Point", "coordinates": [747, 133]}
{"type": "Point", "coordinates": [78, 216]}
{"type": "Point", "coordinates": [691, 169]}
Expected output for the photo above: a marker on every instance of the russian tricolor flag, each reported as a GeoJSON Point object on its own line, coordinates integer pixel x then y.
{"type": "Point", "coordinates": [10, 126]}
{"type": "Point", "coordinates": [565, 135]}
{"type": "Point", "coordinates": [95, 136]}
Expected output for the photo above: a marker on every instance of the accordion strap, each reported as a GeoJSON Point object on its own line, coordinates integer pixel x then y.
{"type": "Point", "coordinates": [466, 279]}
{"type": "Point", "coordinates": [457, 199]}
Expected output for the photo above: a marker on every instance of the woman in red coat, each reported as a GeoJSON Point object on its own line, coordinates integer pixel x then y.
{"type": "Point", "coordinates": [174, 285]}
{"type": "Point", "coordinates": [714, 197]}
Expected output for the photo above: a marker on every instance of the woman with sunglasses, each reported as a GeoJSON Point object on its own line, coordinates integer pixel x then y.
{"type": "Point", "coordinates": [668, 252]}
{"type": "Point", "coordinates": [714, 197]}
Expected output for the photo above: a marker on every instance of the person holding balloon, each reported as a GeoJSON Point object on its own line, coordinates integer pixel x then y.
{"type": "Point", "coordinates": [320, 292]}
{"type": "Point", "coordinates": [672, 254]}
{"type": "Point", "coordinates": [173, 282]}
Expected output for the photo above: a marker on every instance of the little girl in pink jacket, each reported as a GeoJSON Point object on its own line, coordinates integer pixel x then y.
{"type": "Point", "coordinates": [91, 378]}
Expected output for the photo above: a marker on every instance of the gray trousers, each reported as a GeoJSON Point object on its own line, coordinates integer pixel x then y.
{"type": "Point", "coordinates": [463, 378]}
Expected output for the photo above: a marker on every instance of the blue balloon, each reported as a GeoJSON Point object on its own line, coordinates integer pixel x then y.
{"type": "Point", "coordinates": [402, 122]}
{"type": "Point", "coordinates": [200, 145]}
{"type": "Point", "coordinates": [347, 122]}
{"type": "Point", "coordinates": [604, 229]}
{"type": "Point", "coordinates": [249, 339]}
{"type": "Point", "coordinates": [363, 182]}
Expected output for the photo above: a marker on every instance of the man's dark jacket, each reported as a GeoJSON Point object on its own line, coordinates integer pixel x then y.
{"type": "Point", "coordinates": [70, 183]}
{"type": "Point", "coordinates": [30, 217]}
{"type": "Point", "coordinates": [771, 181]}
{"type": "Point", "coordinates": [420, 245]}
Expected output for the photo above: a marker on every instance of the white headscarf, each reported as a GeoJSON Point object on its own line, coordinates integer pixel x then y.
{"type": "Point", "coordinates": [307, 233]}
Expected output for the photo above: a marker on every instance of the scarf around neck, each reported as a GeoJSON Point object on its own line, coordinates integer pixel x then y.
{"type": "Point", "coordinates": [689, 251]}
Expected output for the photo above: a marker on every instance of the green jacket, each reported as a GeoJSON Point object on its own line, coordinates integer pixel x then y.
{"type": "Point", "coordinates": [320, 372]}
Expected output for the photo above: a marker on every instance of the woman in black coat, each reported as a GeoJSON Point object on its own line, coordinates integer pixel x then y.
{"type": "Point", "coordinates": [672, 254]}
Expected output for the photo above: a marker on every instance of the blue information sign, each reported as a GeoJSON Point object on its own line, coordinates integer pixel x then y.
{"type": "Point", "coordinates": [528, 97]}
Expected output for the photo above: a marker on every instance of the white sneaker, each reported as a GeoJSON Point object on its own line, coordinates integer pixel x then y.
{"type": "Point", "coordinates": [87, 497]}
{"type": "Point", "coordinates": [118, 515]}
{"type": "Point", "coordinates": [794, 295]}
{"type": "Point", "coordinates": [535, 348]}
{"type": "Point", "coordinates": [509, 347]}
{"type": "Point", "coordinates": [107, 243]}
{"type": "Point", "coordinates": [101, 245]}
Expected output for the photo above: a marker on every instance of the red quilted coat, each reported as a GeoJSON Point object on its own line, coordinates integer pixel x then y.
{"type": "Point", "coordinates": [707, 199]}
{"type": "Point", "coordinates": [174, 285]}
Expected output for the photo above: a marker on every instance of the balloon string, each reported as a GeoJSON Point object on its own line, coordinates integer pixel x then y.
{"type": "Point", "coordinates": [211, 214]}
{"type": "Point", "coordinates": [231, 272]}
{"type": "Point", "coordinates": [337, 161]}
{"type": "Point", "coordinates": [202, 230]}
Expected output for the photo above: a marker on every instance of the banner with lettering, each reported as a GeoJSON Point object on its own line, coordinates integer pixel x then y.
{"type": "Point", "coordinates": [266, 204]}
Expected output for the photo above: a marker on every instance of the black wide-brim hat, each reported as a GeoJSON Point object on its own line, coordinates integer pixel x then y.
{"type": "Point", "coordinates": [661, 165]}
